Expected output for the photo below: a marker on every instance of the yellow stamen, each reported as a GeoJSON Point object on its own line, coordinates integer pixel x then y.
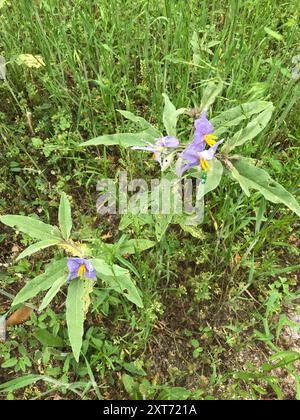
{"type": "Point", "coordinates": [210, 139]}
{"type": "Point", "coordinates": [81, 271]}
{"type": "Point", "coordinates": [204, 164]}
{"type": "Point", "coordinates": [153, 156]}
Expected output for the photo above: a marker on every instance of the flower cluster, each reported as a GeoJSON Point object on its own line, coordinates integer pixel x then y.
{"type": "Point", "coordinates": [196, 154]}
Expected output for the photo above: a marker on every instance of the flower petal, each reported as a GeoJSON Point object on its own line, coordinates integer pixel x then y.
{"type": "Point", "coordinates": [209, 154]}
{"type": "Point", "coordinates": [203, 126]}
{"type": "Point", "coordinates": [182, 167]}
{"type": "Point", "coordinates": [191, 153]}
{"type": "Point", "coordinates": [73, 264]}
{"type": "Point", "coordinates": [72, 275]}
{"type": "Point", "coordinates": [157, 157]}
{"type": "Point", "coordinates": [169, 141]}
{"type": "Point", "coordinates": [91, 274]}
{"type": "Point", "coordinates": [199, 137]}
{"type": "Point", "coordinates": [90, 270]}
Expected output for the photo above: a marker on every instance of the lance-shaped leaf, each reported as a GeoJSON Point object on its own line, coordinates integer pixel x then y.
{"type": "Point", "coordinates": [234, 116]}
{"type": "Point", "coordinates": [32, 249]}
{"type": "Point", "coordinates": [251, 177]}
{"type": "Point", "coordinates": [48, 339]}
{"type": "Point", "coordinates": [75, 315]}
{"type": "Point", "coordinates": [132, 246]}
{"type": "Point", "coordinates": [162, 222]}
{"type": "Point", "coordinates": [32, 227]}
{"type": "Point", "coordinates": [52, 292]}
{"type": "Point", "coordinates": [273, 34]}
{"type": "Point", "coordinates": [118, 279]}
{"type": "Point", "coordinates": [214, 176]}
{"type": "Point", "coordinates": [21, 382]}
{"type": "Point", "coordinates": [170, 116]}
{"type": "Point", "coordinates": [136, 245]}
{"type": "Point", "coordinates": [64, 216]}
{"type": "Point", "coordinates": [182, 220]}
{"type": "Point", "coordinates": [253, 128]}
{"type": "Point", "coordinates": [135, 219]}
{"type": "Point", "coordinates": [210, 93]}
{"type": "Point", "coordinates": [122, 139]}
{"type": "Point", "coordinates": [54, 271]}
{"type": "Point", "coordinates": [141, 122]}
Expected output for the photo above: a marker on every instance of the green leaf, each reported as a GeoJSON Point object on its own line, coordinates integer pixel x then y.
{"type": "Point", "coordinates": [170, 116]}
{"type": "Point", "coordinates": [50, 295]}
{"type": "Point", "coordinates": [75, 315]}
{"type": "Point", "coordinates": [54, 271]}
{"type": "Point", "coordinates": [274, 297]}
{"type": "Point", "coordinates": [162, 222]}
{"type": "Point", "coordinates": [241, 180]}
{"type": "Point", "coordinates": [32, 227]}
{"type": "Point", "coordinates": [86, 298]}
{"type": "Point", "coordinates": [254, 127]}
{"type": "Point", "coordinates": [130, 385]}
{"type": "Point", "coordinates": [65, 217]}
{"type": "Point", "coordinates": [93, 380]}
{"type": "Point", "coordinates": [18, 383]}
{"type": "Point", "coordinates": [251, 177]}
{"type": "Point", "coordinates": [122, 139]}
{"type": "Point", "coordinates": [234, 116]}
{"type": "Point", "coordinates": [118, 279]}
{"type": "Point", "coordinates": [144, 124]}
{"type": "Point", "coordinates": [32, 249]}
{"type": "Point", "coordinates": [214, 176]}
{"type": "Point", "coordinates": [210, 93]}
{"type": "Point", "coordinates": [134, 118]}
{"type": "Point", "coordinates": [135, 245]}
{"type": "Point", "coordinates": [9, 363]}
{"type": "Point", "coordinates": [136, 220]}
{"type": "Point", "coordinates": [273, 34]}
{"type": "Point", "coordinates": [132, 367]}
{"type": "Point", "coordinates": [48, 339]}
{"type": "Point", "coordinates": [195, 231]}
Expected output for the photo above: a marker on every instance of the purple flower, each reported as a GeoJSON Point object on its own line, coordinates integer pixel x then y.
{"type": "Point", "coordinates": [195, 155]}
{"type": "Point", "coordinates": [160, 147]}
{"type": "Point", "coordinates": [203, 133]}
{"type": "Point", "coordinates": [80, 267]}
